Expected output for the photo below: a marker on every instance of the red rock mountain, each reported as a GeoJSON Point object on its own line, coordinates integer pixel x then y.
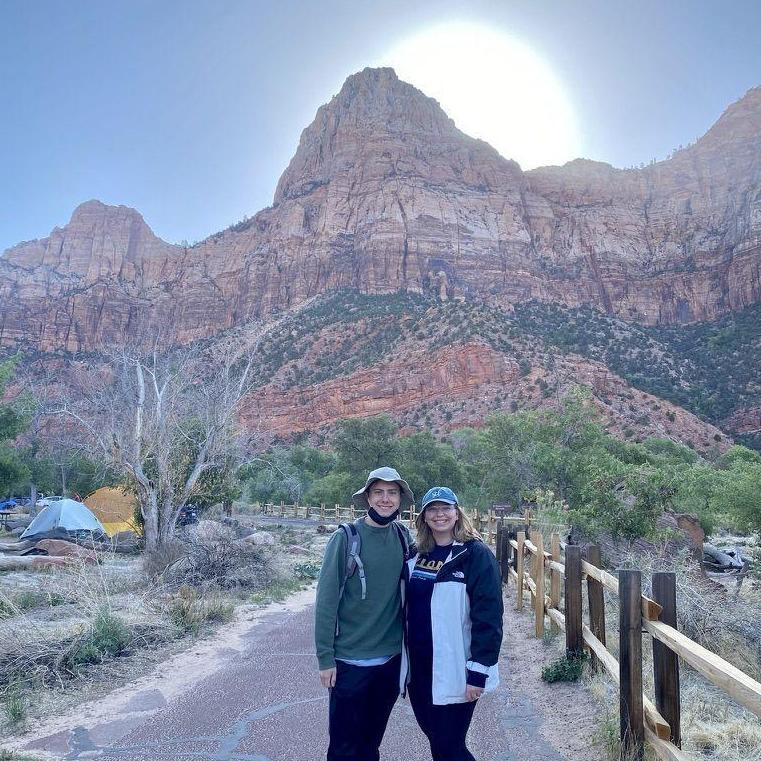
{"type": "Point", "coordinates": [384, 193]}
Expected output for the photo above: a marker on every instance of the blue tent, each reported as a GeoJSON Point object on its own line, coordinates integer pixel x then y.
{"type": "Point", "coordinates": [65, 519]}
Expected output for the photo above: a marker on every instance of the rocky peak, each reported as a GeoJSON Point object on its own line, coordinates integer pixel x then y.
{"type": "Point", "coordinates": [94, 212]}
{"type": "Point", "coordinates": [98, 238]}
{"type": "Point", "coordinates": [377, 99]}
{"type": "Point", "coordinates": [375, 116]}
{"type": "Point", "coordinates": [741, 121]}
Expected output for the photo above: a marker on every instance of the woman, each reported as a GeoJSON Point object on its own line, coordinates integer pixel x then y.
{"type": "Point", "coordinates": [453, 624]}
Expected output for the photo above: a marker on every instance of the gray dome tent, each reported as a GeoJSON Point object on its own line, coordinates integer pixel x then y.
{"type": "Point", "coordinates": [65, 519]}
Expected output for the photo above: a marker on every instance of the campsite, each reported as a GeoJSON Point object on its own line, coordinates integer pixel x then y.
{"type": "Point", "coordinates": [66, 529]}
{"type": "Point", "coordinates": [81, 612]}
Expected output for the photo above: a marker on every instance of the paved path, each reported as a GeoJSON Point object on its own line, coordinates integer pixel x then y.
{"type": "Point", "coordinates": [264, 703]}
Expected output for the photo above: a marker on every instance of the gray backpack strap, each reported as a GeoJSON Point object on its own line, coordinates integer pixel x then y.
{"type": "Point", "coordinates": [353, 559]}
{"type": "Point", "coordinates": [405, 540]}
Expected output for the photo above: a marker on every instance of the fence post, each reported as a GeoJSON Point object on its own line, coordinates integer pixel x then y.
{"type": "Point", "coordinates": [504, 539]}
{"type": "Point", "coordinates": [596, 596]}
{"type": "Point", "coordinates": [338, 514]}
{"type": "Point", "coordinates": [527, 521]}
{"type": "Point", "coordinates": [665, 660]}
{"type": "Point", "coordinates": [538, 540]}
{"type": "Point", "coordinates": [282, 509]}
{"type": "Point", "coordinates": [574, 637]}
{"type": "Point", "coordinates": [412, 516]}
{"type": "Point", "coordinates": [322, 512]}
{"type": "Point", "coordinates": [498, 544]}
{"type": "Point", "coordinates": [306, 512]}
{"type": "Point", "coordinates": [630, 664]}
{"type": "Point", "coordinates": [519, 567]}
{"type": "Point", "coordinates": [555, 579]}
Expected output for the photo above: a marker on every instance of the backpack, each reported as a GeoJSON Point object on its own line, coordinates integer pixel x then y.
{"type": "Point", "coordinates": [354, 546]}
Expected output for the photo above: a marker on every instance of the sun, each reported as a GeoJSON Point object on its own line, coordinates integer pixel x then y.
{"type": "Point", "coordinates": [494, 87]}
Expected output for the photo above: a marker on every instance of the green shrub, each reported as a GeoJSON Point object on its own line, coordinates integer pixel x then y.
{"type": "Point", "coordinates": [108, 637]}
{"type": "Point", "coordinates": [307, 570]}
{"type": "Point", "coordinates": [566, 669]}
{"type": "Point", "coordinates": [28, 599]}
{"type": "Point", "coordinates": [185, 612]}
{"type": "Point", "coordinates": [15, 706]}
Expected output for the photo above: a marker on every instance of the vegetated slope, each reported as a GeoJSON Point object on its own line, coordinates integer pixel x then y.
{"type": "Point", "coordinates": [711, 368]}
{"type": "Point", "coordinates": [447, 364]}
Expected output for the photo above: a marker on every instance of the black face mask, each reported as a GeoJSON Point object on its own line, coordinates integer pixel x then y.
{"type": "Point", "coordinates": [379, 519]}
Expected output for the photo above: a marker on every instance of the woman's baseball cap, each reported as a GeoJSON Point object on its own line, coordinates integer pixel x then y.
{"type": "Point", "coordinates": [440, 494]}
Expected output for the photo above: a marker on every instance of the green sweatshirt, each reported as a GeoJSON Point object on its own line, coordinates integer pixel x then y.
{"type": "Point", "coordinates": [368, 628]}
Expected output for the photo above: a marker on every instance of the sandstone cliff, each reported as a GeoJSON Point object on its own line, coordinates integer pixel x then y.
{"type": "Point", "coordinates": [385, 193]}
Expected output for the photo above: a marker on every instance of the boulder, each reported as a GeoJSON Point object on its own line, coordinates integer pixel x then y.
{"type": "Point", "coordinates": [125, 538]}
{"type": "Point", "coordinates": [23, 562]}
{"type": "Point", "coordinates": [260, 538]}
{"type": "Point", "coordinates": [211, 531]}
{"type": "Point", "coordinates": [63, 549]}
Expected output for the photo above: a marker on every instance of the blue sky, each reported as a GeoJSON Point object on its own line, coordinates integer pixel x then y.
{"type": "Point", "coordinates": [190, 110]}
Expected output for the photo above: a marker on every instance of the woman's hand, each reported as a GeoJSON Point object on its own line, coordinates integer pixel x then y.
{"type": "Point", "coordinates": [328, 677]}
{"type": "Point", "coordinates": [473, 693]}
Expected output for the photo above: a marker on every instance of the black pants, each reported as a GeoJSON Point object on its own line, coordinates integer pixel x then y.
{"type": "Point", "coordinates": [360, 705]}
{"type": "Point", "coordinates": [445, 726]}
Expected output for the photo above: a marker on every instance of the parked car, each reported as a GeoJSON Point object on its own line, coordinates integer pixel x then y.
{"type": "Point", "coordinates": [188, 516]}
{"type": "Point", "coordinates": [45, 501]}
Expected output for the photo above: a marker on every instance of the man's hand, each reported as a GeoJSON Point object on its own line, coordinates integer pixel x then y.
{"type": "Point", "coordinates": [471, 692]}
{"type": "Point", "coordinates": [328, 677]}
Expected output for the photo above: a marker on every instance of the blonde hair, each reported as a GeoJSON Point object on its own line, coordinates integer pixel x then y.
{"type": "Point", "coordinates": [463, 531]}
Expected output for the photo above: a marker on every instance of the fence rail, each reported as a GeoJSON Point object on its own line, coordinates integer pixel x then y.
{"type": "Point", "coordinates": [485, 522]}
{"type": "Point", "coordinates": [641, 719]}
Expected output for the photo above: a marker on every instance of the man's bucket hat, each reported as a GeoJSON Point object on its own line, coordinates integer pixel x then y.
{"type": "Point", "coordinates": [440, 494]}
{"type": "Point", "coordinates": [384, 474]}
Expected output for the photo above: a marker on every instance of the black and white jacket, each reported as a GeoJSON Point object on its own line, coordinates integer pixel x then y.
{"type": "Point", "coordinates": [466, 621]}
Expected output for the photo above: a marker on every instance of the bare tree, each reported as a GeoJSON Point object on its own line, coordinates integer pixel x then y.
{"type": "Point", "coordinates": [163, 419]}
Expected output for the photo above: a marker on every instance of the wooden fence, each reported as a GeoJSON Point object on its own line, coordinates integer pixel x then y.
{"type": "Point", "coordinates": [485, 522]}
{"type": "Point", "coordinates": [563, 570]}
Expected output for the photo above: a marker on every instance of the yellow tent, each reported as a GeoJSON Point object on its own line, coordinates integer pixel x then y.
{"type": "Point", "coordinates": [114, 509]}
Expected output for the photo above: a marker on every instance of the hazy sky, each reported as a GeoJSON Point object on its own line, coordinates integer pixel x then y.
{"type": "Point", "coordinates": [189, 110]}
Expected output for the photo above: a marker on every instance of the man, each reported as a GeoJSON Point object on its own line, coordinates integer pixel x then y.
{"type": "Point", "coordinates": [358, 620]}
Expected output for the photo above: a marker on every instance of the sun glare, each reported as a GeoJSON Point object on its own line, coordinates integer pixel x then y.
{"type": "Point", "coordinates": [494, 87]}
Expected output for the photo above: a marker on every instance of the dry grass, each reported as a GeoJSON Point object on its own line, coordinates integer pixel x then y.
{"type": "Point", "coordinates": [189, 611]}
{"type": "Point", "coordinates": [100, 612]}
{"type": "Point", "coordinates": [713, 726]}
{"type": "Point", "coordinates": [74, 633]}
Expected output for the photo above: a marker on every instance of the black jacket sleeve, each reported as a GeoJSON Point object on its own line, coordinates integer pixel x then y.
{"type": "Point", "coordinates": [484, 587]}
